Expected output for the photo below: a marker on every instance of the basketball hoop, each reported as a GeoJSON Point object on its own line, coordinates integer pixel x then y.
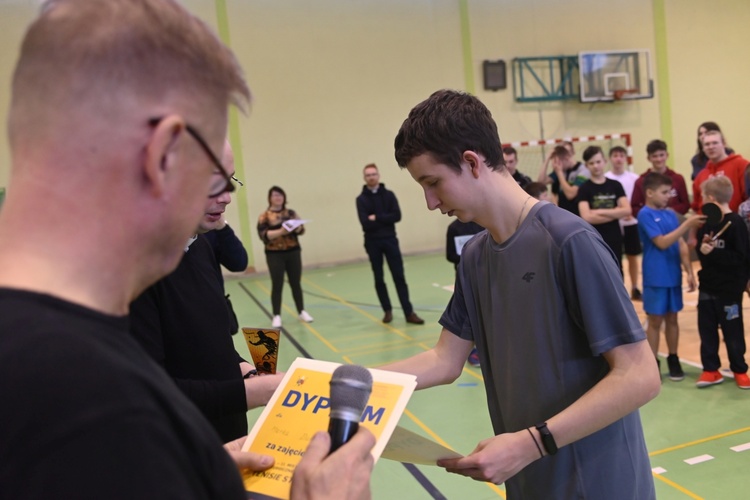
{"type": "Point", "coordinates": [624, 94]}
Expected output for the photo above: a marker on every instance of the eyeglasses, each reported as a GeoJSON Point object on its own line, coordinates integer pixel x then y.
{"type": "Point", "coordinates": [223, 184]}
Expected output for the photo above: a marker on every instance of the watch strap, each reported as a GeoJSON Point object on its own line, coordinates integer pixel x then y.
{"type": "Point", "coordinates": [548, 440]}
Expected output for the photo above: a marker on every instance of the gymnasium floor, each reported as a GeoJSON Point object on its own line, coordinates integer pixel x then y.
{"type": "Point", "coordinates": [683, 424]}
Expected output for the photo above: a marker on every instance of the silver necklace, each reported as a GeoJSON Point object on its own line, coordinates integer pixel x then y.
{"type": "Point", "coordinates": [523, 207]}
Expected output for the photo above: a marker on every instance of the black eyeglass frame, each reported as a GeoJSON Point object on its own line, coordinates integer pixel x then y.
{"type": "Point", "coordinates": [228, 186]}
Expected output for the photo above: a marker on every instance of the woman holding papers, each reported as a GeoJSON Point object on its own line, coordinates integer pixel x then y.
{"type": "Point", "coordinates": [279, 228]}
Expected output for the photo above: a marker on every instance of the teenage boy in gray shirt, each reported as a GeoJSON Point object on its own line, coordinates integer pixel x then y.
{"type": "Point", "coordinates": [565, 359]}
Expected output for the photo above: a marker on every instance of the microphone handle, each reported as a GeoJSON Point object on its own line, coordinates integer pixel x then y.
{"type": "Point", "coordinates": [341, 431]}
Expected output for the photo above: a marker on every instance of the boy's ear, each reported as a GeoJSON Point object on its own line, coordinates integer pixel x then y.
{"type": "Point", "coordinates": [473, 161]}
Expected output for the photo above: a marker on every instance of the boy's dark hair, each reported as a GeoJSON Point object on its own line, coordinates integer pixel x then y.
{"type": "Point", "coordinates": [592, 151]}
{"type": "Point", "coordinates": [654, 181]}
{"type": "Point", "coordinates": [508, 150]}
{"type": "Point", "coordinates": [656, 145]}
{"type": "Point", "coordinates": [445, 125]}
{"type": "Point", "coordinates": [617, 149]}
{"type": "Point", "coordinates": [560, 152]}
{"type": "Point", "coordinates": [536, 189]}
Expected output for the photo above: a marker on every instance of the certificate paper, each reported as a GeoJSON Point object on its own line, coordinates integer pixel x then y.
{"type": "Point", "coordinates": [300, 407]}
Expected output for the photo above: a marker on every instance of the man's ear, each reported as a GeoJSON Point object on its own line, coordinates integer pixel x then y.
{"type": "Point", "coordinates": [161, 154]}
{"type": "Point", "coordinates": [473, 161]}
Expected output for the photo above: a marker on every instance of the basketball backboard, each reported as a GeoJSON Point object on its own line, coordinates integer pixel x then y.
{"type": "Point", "coordinates": [615, 75]}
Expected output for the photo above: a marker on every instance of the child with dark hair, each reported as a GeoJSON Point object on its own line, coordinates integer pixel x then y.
{"type": "Point", "coordinates": [657, 155]}
{"type": "Point", "coordinates": [618, 159]}
{"type": "Point", "coordinates": [567, 177]}
{"type": "Point", "coordinates": [510, 156]}
{"type": "Point", "coordinates": [602, 202]}
{"type": "Point", "coordinates": [723, 251]}
{"type": "Point", "coordinates": [538, 190]}
{"type": "Point", "coordinates": [559, 382]}
{"type": "Point", "coordinates": [663, 251]}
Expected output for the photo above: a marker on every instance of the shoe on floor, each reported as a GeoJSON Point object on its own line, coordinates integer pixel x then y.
{"type": "Point", "coordinates": [413, 318]}
{"type": "Point", "coordinates": [276, 322]}
{"type": "Point", "coordinates": [473, 357]}
{"type": "Point", "coordinates": [636, 294]}
{"type": "Point", "coordinates": [742, 380]}
{"type": "Point", "coordinates": [711, 378]}
{"type": "Point", "coordinates": [675, 368]}
{"type": "Point", "coordinates": [304, 316]}
{"type": "Point", "coordinates": [388, 317]}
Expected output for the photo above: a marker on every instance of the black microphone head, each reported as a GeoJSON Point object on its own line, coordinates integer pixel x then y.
{"type": "Point", "coordinates": [351, 386]}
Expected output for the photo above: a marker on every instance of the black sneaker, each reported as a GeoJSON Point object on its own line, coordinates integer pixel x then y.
{"type": "Point", "coordinates": [675, 368]}
{"type": "Point", "coordinates": [636, 294]}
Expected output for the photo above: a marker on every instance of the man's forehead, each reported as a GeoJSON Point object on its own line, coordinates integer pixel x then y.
{"type": "Point", "coordinates": [709, 137]}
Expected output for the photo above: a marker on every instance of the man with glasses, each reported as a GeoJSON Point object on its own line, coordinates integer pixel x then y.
{"type": "Point", "coordinates": [182, 321]}
{"type": "Point", "coordinates": [85, 413]}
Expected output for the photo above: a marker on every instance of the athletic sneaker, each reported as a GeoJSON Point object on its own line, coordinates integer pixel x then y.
{"type": "Point", "coordinates": [276, 322]}
{"type": "Point", "coordinates": [675, 368]}
{"type": "Point", "coordinates": [473, 357]}
{"type": "Point", "coordinates": [742, 380]}
{"type": "Point", "coordinates": [710, 378]}
{"type": "Point", "coordinates": [636, 294]}
{"type": "Point", "coordinates": [304, 316]}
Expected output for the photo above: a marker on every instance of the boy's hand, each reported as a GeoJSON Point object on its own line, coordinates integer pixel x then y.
{"type": "Point", "coordinates": [695, 221]}
{"type": "Point", "coordinates": [707, 245]}
{"type": "Point", "coordinates": [557, 166]}
{"type": "Point", "coordinates": [692, 285]}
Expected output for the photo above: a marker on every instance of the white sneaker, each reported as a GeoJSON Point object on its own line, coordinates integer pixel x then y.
{"type": "Point", "coordinates": [304, 316]}
{"type": "Point", "coordinates": [276, 323]}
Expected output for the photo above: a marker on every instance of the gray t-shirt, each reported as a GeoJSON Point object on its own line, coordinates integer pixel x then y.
{"type": "Point", "coordinates": [542, 308]}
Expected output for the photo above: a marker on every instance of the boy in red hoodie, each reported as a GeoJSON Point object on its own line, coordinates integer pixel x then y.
{"type": "Point", "coordinates": [720, 163]}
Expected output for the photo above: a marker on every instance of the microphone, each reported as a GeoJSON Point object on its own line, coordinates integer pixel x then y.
{"type": "Point", "coordinates": [351, 386]}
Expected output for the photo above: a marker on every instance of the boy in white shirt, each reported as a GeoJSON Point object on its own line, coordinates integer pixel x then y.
{"type": "Point", "coordinates": [618, 158]}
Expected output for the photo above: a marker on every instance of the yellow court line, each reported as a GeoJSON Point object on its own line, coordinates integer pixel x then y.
{"type": "Point", "coordinates": [367, 350]}
{"type": "Point", "coordinates": [307, 325]}
{"type": "Point", "coordinates": [699, 441]}
{"type": "Point", "coordinates": [440, 441]}
{"type": "Point", "coordinates": [677, 487]}
{"type": "Point", "coordinates": [359, 310]}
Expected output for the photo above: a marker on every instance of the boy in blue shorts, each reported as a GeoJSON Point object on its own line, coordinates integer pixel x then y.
{"type": "Point", "coordinates": [663, 251]}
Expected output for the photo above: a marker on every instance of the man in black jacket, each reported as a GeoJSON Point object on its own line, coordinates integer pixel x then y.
{"type": "Point", "coordinates": [378, 213]}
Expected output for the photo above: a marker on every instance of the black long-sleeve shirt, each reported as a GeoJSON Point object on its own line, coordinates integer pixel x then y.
{"type": "Point", "coordinates": [228, 249]}
{"type": "Point", "coordinates": [725, 271]}
{"type": "Point", "coordinates": [182, 322]}
{"type": "Point", "coordinates": [384, 205]}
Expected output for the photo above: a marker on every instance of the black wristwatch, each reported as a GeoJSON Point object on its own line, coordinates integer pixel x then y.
{"type": "Point", "coordinates": [548, 441]}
